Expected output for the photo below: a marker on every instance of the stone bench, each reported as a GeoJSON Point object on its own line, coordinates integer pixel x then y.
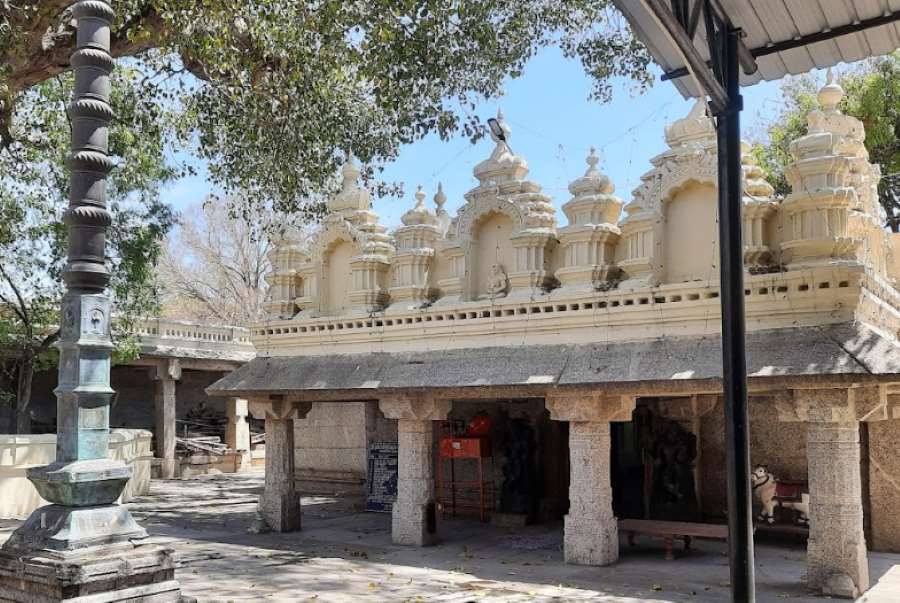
{"type": "Point", "coordinates": [670, 530]}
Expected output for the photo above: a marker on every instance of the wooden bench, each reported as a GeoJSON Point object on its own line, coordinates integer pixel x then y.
{"type": "Point", "coordinates": [670, 530]}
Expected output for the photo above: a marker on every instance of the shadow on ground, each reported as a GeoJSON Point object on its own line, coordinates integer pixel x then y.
{"type": "Point", "coordinates": [345, 555]}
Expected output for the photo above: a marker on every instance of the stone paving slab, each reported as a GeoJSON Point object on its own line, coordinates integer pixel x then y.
{"type": "Point", "coordinates": [346, 556]}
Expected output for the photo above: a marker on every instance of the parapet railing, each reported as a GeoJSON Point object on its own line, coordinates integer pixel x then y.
{"type": "Point", "coordinates": [761, 287]}
{"type": "Point", "coordinates": [182, 333]}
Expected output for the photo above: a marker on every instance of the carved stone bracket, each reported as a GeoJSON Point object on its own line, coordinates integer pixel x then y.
{"type": "Point", "coordinates": [581, 406]}
{"type": "Point", "coordinates": [415, 408]}
{"type": "Point", "coordinates": [278, 408]}
{"type": "Point", "coordinates": [836, 405]}
{"type": "Point", "coordinates": [166, 369]}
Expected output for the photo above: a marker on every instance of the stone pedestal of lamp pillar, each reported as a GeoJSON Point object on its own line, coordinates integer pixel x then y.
{"type": "Point", "coordinates": [83, 544]}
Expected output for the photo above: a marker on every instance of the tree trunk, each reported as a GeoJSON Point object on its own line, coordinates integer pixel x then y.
{"type": "Point", "coordinates": [23, 395]}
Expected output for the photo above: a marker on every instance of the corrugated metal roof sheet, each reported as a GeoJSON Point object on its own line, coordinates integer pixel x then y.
{"type": "Point", "coordinates": [767, 22]}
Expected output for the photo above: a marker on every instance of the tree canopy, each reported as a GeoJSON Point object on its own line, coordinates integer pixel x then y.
{"type": "Point", "coordinates": [282, 90]}
{"type": "Point", "coordinates": [33, 195]}
{"type": "Point", "coordinates": [216, 261]}
{"type": "Point", "coordinates": [872, 95]}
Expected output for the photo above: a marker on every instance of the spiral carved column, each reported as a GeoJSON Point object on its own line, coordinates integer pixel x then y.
{"type": "Point", "coordinates": [83, 484]}
{"type": "Point", "coordinates": [68, 549]}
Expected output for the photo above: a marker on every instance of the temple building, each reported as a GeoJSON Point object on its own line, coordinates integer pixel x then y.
{"type": "Point", "coordinates": [592, 349]}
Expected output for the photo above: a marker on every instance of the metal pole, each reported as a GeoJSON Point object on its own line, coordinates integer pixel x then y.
{"type": "Point", "coordinates": [734, 365]}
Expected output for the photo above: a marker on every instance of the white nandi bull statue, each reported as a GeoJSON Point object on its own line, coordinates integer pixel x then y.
{"type": "Point", "coordinates": [773, 493]}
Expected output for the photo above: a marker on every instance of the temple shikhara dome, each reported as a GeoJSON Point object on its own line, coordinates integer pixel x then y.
{"type": "Point", "coordinates": [503, 254]}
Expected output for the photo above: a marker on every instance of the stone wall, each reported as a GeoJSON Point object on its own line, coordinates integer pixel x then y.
{"type": "Point", "coordinates": [894, 264]}
{"type": "Point", "coordinates": [18, 498]}
{"type": "Point", "coordinates": [780, 445]}
{"type": "Point", "coordinates": [332, 442]}
{"type": "Point", "coordinates": [884, 485]}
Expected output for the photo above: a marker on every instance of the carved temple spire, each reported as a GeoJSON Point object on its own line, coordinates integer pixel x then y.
{"type": "Point", "coordinates": [440, 199]}
{"type": "Point", "coordinates": [590, 238]}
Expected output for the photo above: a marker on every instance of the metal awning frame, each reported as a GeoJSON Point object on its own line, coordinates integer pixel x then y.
{"type": "Point", "coordinates": [680, 20]}
{"type": "Point", "coordinates": [719, 79]}
{"type": "Point", "coordinates": [800, 41]}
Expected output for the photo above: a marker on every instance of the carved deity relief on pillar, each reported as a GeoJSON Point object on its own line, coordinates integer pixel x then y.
{"type": "Point", "coordinates": [589, 240]}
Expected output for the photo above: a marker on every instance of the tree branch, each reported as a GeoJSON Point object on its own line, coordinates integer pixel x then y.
{"type": "Point", "coordinates": [22, 309]}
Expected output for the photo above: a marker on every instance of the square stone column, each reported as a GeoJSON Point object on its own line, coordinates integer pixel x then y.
{"type": "Point", "coordinates": [237, 430]}
{"type": "Point", "coordinates": [166, 376]}
{"type": "Point", "coordinates": [591, 535]}
{"type": "Point", "coordinates": [279, 504]}
{"type": "Point", "coordinates": [414, 516]}
{"type": "Point", "coordinates": [836, 551]}
{"type": "Point", "coordinates": [837, 562]}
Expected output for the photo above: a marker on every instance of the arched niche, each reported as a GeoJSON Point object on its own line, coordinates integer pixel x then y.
{"type": "Point", "coordinates": [336, 277]}
{"type": "Point", "coordinates": [691, 240]}
{"type": "Point", "coordinates": [490, 246]}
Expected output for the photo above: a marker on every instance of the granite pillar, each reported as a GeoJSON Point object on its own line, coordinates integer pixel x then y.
{"type": "Point", "coordinates": [279, 504]}
{"type": "Point", "coordinates": [591, 534]}
{"type": "Point", "coordinates": [837, 562]}
{"type": "Point", "coordinates": [836, 551]}
{"type": "Point", "coordinates": [237, 430]}
{"type": "Point", "coordinates": [166, 376]}
{"type": "Point", "coordinates": [590, 528]}
{"type": "Point", "coordinates": [414, 515]}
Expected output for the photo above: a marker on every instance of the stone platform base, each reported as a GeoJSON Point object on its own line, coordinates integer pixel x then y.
{"type": "Point", "coordinates": [144, 574]}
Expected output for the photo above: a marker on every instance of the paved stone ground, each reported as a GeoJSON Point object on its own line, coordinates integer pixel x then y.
{"type": "Point", "coordinates": [343, 555]}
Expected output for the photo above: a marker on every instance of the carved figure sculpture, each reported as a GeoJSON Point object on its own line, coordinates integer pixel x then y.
{"type": "Point", "coordinates": [520, 483]}
{"type": "Point", "coordinates": [673, 495]}
{"type": "Point", "coordinates": [499, 282]}
{"type": "Point", "coordinates": [773, 493]}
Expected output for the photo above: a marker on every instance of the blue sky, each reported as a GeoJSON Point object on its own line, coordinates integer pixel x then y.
{"type": "Point", "coordinates": [553, 126]}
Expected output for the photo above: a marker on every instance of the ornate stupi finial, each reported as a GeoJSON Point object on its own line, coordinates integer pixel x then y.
{"type": "Point", "coordinates": [420, 197]}
{"type": "Point", "coordinates": [350, 172]}
{"type": "Point", "coordinates": [592, 160]}
{"type": "Point", "coordinates": [419, 214]}
{"type": "Point", "coordinates": [440, 198]}
{"type": "Point", "coordinates": [830, 94]}
{"type": "Point", "coordinates": [593, 181]}
{"type": "Point", "coordinates": [695, 127]}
